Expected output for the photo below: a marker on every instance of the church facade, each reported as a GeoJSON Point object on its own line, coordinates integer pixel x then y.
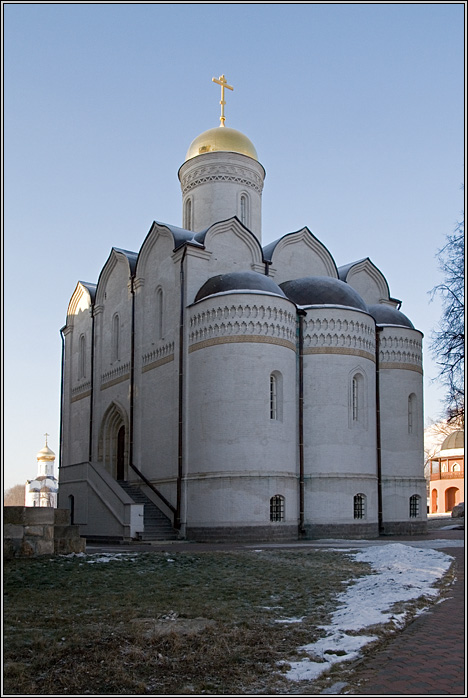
{"type": "Point", "coordinates": [250, 392]}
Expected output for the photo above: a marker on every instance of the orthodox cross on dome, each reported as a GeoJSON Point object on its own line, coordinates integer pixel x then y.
{"type": "Point", "coordinates": [223, 82]}
{"type": "Point", "coordinates": [46, 435]}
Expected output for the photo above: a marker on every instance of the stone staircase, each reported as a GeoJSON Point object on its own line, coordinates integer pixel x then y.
{"type": "Point", "coordinates": [156, 525]}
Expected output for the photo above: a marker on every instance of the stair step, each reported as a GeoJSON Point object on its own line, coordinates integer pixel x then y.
{"type": "Point", "coordinates": [156, 524]}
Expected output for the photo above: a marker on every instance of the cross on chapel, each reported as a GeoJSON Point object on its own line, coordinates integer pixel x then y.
{"type": "Point", "coordinates": [223, 82]}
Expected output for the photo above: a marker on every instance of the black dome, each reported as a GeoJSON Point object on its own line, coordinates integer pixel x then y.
{"type": "Point", "coordinates": [322, 290]}
{"type": "Point", "coordinates": [386, 315]}
{"type": "Point", "coordinates": [237, 281]}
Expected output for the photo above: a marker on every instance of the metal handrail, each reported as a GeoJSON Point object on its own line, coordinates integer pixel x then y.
{"type": "Point", "coordinates": [153, 488]}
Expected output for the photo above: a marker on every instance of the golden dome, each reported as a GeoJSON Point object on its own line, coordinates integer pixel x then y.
{"type": "Point", "coordinates": [221, 139]}
{"type": "Point", "coordinates": [45, 454]}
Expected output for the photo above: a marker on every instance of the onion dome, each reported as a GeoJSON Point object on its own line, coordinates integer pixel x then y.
{"type": "Point", "coordinates": [322, 290]}
{"type": "Point", "coordinates": [454, 440]}
{"type": "Point", "coordinates": [386, 315]}
{"type": "Point", "coordinates": [238, 281]}
{"type": "Point", "coordinates": [221, 139]}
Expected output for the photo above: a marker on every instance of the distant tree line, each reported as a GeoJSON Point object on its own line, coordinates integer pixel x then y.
{"type": "Point", "coordinates": [14, 497]}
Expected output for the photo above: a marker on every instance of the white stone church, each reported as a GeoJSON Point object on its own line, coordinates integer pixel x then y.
{"type": "Point", "coordinates": [245, 392]}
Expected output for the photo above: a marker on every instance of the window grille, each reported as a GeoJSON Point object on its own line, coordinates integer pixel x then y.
{"type": "Point", "coordinates": [277, 508]}
{"type": "Point", "coordinates": [359, 506]}
{"type": "Point", "coordinates": [414, 506]}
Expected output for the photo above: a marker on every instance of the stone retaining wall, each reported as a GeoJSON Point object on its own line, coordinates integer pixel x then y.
{"type": "Point", "coordinates": [34, 531]}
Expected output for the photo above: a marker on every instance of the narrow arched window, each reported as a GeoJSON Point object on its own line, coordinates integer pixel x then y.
{"type": "Point", "coordinates": [273, 397]}
{"type": "Point", "coordinates": [277, 508]}
{"type": "Point", "coordinates": [159, 313]}
{"type": "Point", "coordinates": [355, 399]}
{"type": "Point", "coordinates": [411, 413]}
{"type": "Point", "coordinates": [188, 214]}
{"type": "Point", "coordinates": [276, 396]}
{"type": "Point", "coordinates": [456, 468]}
{"type": "Point", "coordinates": [82, 357]}
{"type": "Point", "coordinates": [360, 506]}
{"type": "Point", "coordinates": [244, 209]}
{"type": "Point", "coordinates": [414, 505]}
{"type": "Point", "coordinates": [116, 338]}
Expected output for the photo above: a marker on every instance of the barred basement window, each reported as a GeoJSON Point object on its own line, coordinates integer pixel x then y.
{"type": "Point", "coordinates": [414, 506]}
{"type": "Point", "coordinates": [360, 506]}
{"type": "Point", "coordinates": [277, 508]}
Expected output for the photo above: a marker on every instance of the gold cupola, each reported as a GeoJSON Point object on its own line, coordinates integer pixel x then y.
{"type": "Point", "coordinates": [221, 139]}
{"type": "Point", "coordinates": [221, 177]}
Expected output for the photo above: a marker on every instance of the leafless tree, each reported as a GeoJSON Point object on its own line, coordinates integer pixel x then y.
{"type": "Point", "coordinates": [14, 497]}
{"type": "Point", "coordinates": [448, 341]}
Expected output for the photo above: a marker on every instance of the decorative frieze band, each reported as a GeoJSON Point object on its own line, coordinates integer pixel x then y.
{"type": "Point", "coordinates": [221, 173]}
{"type": "Point", "coordinates": [255, 339]}
{"type": "Point", "coordinates": [339, 336]}
{"type": "Point", "coordinates": [161, 352]}
{"type": "Point", "coordinates": [401, 365]}
{"type": "Point", "coordinates": [397, 351]}
{"type": "Point", "coordinates": [115, 375]}
{"type": "Point", "coordinates": [340, 350]}
{"type": "Point", "coordinates": [243, 320]}
{"type": "Point", "coordinates": [81, 391]}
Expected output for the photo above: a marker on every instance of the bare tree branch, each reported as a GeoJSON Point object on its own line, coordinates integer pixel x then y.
{"type": "Point", "coordinates": [448, 341]}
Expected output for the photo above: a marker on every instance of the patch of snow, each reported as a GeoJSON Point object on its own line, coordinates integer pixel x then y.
{"type": "Point", "coordinates": [401, 572]}
{"type": "Point", "coordinates": [290, 620]}
{"type": "Point", "coordinates": [110, 557]}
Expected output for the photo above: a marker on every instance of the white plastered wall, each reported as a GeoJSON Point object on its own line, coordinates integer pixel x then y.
{"type": "Point", "coordinates": [237, 456]}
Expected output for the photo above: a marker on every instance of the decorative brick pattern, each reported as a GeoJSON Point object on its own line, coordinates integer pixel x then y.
{"type": "Point", "coordinates": [221, 173]}
{"type": "Point", "coordinates": [246, 322]}
{"type": "Point", "coordinates": [158, 357]}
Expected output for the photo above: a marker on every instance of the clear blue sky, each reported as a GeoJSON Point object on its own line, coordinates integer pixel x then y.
{"type": "Point", "coordinates": [356, 112]}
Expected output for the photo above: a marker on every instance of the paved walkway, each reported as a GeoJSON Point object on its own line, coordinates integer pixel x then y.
{"type": "Point", "coordinates": [425, 658]}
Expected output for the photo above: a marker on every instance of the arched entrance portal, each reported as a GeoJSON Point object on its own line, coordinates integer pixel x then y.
{"type": "Point", "coordinates": [113, 442]}
{"type": "Point", "coordinates": [450, 498]}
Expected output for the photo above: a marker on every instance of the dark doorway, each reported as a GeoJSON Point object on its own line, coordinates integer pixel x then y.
{"type": "Point", "coordinates": [121, 454]}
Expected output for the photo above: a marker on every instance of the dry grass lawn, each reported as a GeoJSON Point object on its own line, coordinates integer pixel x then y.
{"type": "Point", "coordinates": [166, 624]}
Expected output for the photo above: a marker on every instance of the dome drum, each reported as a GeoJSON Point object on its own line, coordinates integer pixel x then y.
{"type": "Point", "coordinates": [219, 185]}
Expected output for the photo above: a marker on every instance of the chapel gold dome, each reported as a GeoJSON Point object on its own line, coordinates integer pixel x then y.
{"type": "Point", "coordinates": [221, 139]}
{"type": "Point", "coordinates": [45, 454]}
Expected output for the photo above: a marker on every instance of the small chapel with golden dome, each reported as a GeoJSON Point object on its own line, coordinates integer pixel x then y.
{"type": "Point", "coordinates": [42, 491]}
{"type": "Point", "coordinates": [218, 389]}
